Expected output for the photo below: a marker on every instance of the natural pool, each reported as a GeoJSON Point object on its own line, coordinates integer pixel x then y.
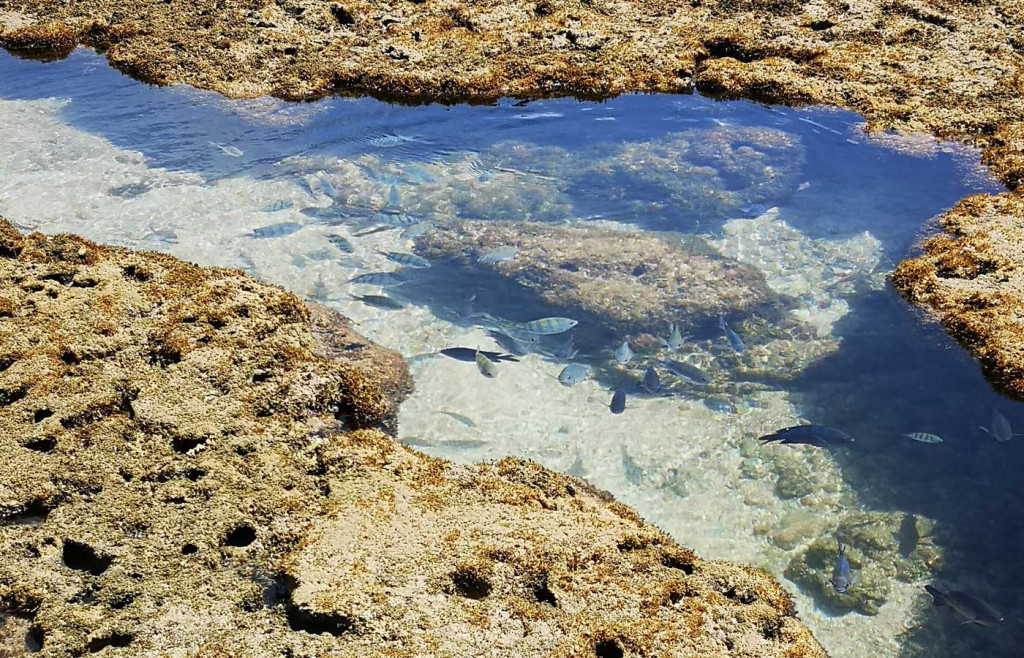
{"type": "Point", "coordinates": [643, 210]}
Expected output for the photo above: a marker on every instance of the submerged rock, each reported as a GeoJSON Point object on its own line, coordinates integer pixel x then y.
{"type": "Point", "coordinates": [972, 278]}
{"type": "Point", "coordinates": [175, 479]}
{"type": "Point", "coordinates": [633, 281]}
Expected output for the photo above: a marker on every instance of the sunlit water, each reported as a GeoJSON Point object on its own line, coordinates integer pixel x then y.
{"type": "Point", "coordinates": [801, 195]}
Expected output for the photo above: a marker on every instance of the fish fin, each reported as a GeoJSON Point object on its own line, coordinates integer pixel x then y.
{"type": "Point", "coordinates": [984, 429]}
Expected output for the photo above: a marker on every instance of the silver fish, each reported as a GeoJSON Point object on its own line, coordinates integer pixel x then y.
{"type": "Point", "coordinates": [485, 365]}
{"type": "Point", "coordinates": [328, 187]}
{"type": "Point", "coordinates": [341, 243]}
{"type": "Point", "coordinates": [406, 260]}
{"type": "Point", "coordinates": [924, 437]}
{"type": "Point", "coordinates": [387, 141]}
{"type": "Point", "coordinates": [324, 213]}
{"type": "Point", "coordinates": [573, 373]}
{"type": "Point", "coordinates": [276, 206]}
{"type": "Point", "coordinates": [276, 230]}
{"type": "Point", "coordinates": [550, 326]}
{"type": "Point", "coordinates": [734, 339]}
{"type": "Point", "coordinates": [379, 301]}
{"type": "Point", "coordinates": [971, 608]}
{"type": "Point", "coordinates": [416, 230]}
{"type": "Point", "coordinates": [397, 220]}
{"type": "Point", "coordinates": [1000, 429]}
{"type": "Point", "coordinates": [690, 373]}
{"type": "Point", "coordinates": [227, 149]}
{"type": "Point", "coordinates": [465, 420]}
{"type": "Point", "coordinates": [384, 279]}
{"type": "Point", "coordinates": [623, 354]}
{"type": "Point", "coordinates": [498, 255]}
{"type": "Point", "coordinates": [842, 578]}
{"type": "Point", "coordinates": [394, 197]}
{"type": "Point", "coordinates": [675, 339]}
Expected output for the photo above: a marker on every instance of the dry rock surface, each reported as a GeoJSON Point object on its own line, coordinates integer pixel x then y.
{"type": "Point", "coordinates": [191, 463]}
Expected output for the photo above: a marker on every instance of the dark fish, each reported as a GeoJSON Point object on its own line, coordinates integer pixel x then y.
{"type": "Point", "coordinates": [734, 339]}
{"type": "Point", "coordinates": [276, 230]}
{"type": "Point", "coordinates": [618, 404]}
{"type": "Point", "coordinates": [971, 608]}
{"type": "Point", "coordinates": [651, 382]}
{"type": "Point", "coordinates": [379, 301]}
{"type": "Point", "coordinates": [469, 355]}
{"type": "Point", "coordinates": [842, 578]}
{"type": "Point", "coordinates": [341, 243]}
{"type": "Point", "coordinates": [690, 373]}
{"type": "Point", "coordinates": [812, 435]}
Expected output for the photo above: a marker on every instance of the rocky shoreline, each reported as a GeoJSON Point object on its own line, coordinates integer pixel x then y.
{"type": "Point", "coordinates": [949, 70]}
{"type": "Point", "coordinates": [197, 463]}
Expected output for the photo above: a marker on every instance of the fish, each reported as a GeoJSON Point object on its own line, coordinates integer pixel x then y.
{"type": "Point", "coordinates": [394, 197]}
{"type": "Point", "coordinates": [924, 437]}
{"type": "Point", "coordinates": [324, 213]}
{"type": "Point", "coordinates": [550, 326]}
{"type": "Point", "coordinates": [276, 230]}
{"type": "Point", "coordinates": [734, 338]}
{"type": "Point", "coordinates": [387, 141]}
{"type": "Point", "coordinates": [469, 355]}
{"type": "Point", "coordinates": [276, 206]}
{"type": "Point", "coordinates": [518, 333]}
{"type": "Point", "coordinates": [341, 243]}
{"type": "Point", "coordinates": [383, 279]}
{"type": "Point", "coordinates": [812, 435]}
{"type": "Point", "coordinates": [396, 220]}
{"type": "Point", "coordinates": [618, 403]}
{"type": "Point", "coordinates": [485, 365]}
{"type": "Point", "coordinates": [651, 382]}
{"type": "Point", "coordinates": [485, 177]}
{"type": "Point", "coordinates": [327, 186]}
{"type": "Point", "coordinates": [421, 442]}
{"type": "Point", "coordinates": [379, 301]}
{"type": "Point", "coordinates": [690, 373]}
{"type": "Point", "coordinates": [371, 231]}
{"type": "Point", "coordinates": [623, 354]}
{"type": "Point", "coordinates": [573, 373]}
{"type": "Point", "coordinates": [498, 255]}
{"type": "Point", "coordinates": [1000, 429]}
{"type": "Point", "coordinates": [405, 259]}
{"type": "Point", "coordinates": [416, 230]}
{"type": "Point", "coordinates": [842, 578]}
{"type": "Point", "coordinates": [465, 420]}
{"type": "Point", "coordinates": [971, 608]}
{"type": "Point", "coordinates": [675, 339]}
{"type": "Point", "coordinates": [227, 149]}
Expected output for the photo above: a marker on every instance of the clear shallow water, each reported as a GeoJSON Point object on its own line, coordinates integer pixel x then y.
{"type": "Point", "coordinates": [86, 150]}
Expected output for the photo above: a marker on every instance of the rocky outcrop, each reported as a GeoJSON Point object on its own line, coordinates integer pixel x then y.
{"type": "Point", "coordinates": [972, 276]}
{"type": "Point", "coordinates": [191, 462]}
{"type": "Point", "coordinates": [630, 281]}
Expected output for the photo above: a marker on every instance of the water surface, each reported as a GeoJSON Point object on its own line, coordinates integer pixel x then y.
{"type": "Point", "coordinates": [802, 196]}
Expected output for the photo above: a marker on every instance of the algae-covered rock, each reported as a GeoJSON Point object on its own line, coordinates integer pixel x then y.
{"type": "Point", "coordinates": [190, 464]}
{"type": "Point", "coordinates": [632, 281]}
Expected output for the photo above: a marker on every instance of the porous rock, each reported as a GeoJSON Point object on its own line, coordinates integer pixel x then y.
{"type": "Point", "coordinates": [191, 464]}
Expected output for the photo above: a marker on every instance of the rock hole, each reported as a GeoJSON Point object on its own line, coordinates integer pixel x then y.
{"type": "Point", "coordinates": [6, 362]}
{"type": "Point", "coordinates": [185, 444]}
{"type": "Point", "coordinates": [291, 51]}
{"type": "Point", "coordinates": [341, 15]}
{"type": "Point", "coordinates": [316, 623]}
{"type": "Point", "coordinates": [193, 474]}
{"type": "Point", "coordinates": [543, 594]}
{"type": "Point", "coordinates": [115, 640]}
{"type": "Point", "coordinates": [569, 267]}
{"type": "Point", "coordinates": [261, 376]}
{"type": "Point", "coordinates": [189, 549]}
{"type": "Point", "coordinates": [69, 357]}
{"type": "Point", "coordinates": [821, 25]}
{"type": "Point", "coordinates": [63, 278]}
{"type": "Point", "coordinates": [134, 272]}
{"type": "Point", "coordinates": [675, 597]}
{"type": "Point", "coordinates": [639, 270]}
{"type": "Point", "coordinates": [122, 601]}
{"type": "Point", "coordinates": [34, 639]}
{"type": "Point", "coordinates": [241, 536]}
{"type": "Point", "coordinates": [10, 396]}
{"type": "Point", "coordinates": [40, 415]}
{"type": "Point", "coordinates": [608, 649]}
{"type": "Point", "coordinates": [42, 445]}
{"type": "Point", "coordinates": [82, 557]}
{"type": "Point", "coordinates": [678, 562]}
{"type": "Point", "coordinates": [470, 584]}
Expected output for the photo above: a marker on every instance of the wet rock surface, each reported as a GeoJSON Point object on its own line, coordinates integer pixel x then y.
{"type": "Point", "coordinates": [632, 281]}
{"type": "Point", "coordinates": [175, 478]}
{"type": "Point", "coordinates": [972, 277]}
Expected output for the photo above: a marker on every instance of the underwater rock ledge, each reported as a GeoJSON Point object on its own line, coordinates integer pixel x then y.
{"type": "Point", "coordinates": [174, 479]}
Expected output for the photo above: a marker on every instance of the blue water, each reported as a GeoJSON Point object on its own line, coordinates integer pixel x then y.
{"type": "Point", "coordinates": [892, 372]}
